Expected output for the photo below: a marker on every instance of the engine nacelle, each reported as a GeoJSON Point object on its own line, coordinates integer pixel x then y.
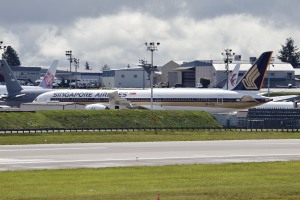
{"type": "Point", "coordinates": [96, 106]}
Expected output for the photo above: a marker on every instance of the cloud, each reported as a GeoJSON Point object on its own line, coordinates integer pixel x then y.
{"type": "Point", "coordinates": [118, 39]}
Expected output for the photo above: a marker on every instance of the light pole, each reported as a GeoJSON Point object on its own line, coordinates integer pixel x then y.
{"type": "Point", "coordinates": [147, 69]}
{"type": "Point", "coordinates": [76, 61]}
{"type": "Point", "coordinates": [228, 57]}
{"type": "Point", "coordinates": [152, 46]}
{"type": "Point", "coordinates": [69, 55]}
{"type": "Point", "coordinates": [271, 63]}
{"type": "Point", "coordinates": [2, 47]}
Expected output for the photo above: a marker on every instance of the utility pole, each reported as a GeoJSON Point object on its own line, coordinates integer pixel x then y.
{"type": "Point", "coordinates": [69, 55]}
{"type": "Point", "coordinates": [228, 58]}
{"type": "Point", "coordinates": [152, 46]}
{"type": "Point", "coordinates": [76, 61]}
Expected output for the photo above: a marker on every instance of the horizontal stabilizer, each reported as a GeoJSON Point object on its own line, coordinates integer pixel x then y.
{"type": "Point", "coordinates": [7, 96]}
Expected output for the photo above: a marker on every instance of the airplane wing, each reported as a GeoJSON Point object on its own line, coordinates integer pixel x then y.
{"type": "Point", "coordinates": [248, 98]}
{"type": "Point", "coordinates": [284, 98]}
{"type": "Point", "coordinates": [288, 86]}
{"type": "Point", "coordinates": [6, 96]}
{"type": "Point", "coordinates": [115, 102]}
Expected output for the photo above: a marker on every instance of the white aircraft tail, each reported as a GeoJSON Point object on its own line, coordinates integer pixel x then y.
{"type": "Point", "coordinates": [232, 80]}
{"type": "Point", "coordinates": [49, 76]}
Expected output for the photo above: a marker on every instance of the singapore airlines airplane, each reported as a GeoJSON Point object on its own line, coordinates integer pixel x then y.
{"type": "Point", "coordinates": [13, 94]}
{"type": "Point", "coordinates": [209, 100]}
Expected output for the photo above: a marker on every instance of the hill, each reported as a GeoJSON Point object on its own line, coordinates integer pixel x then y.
{"type": "Point", "coordinates": [77, 119]}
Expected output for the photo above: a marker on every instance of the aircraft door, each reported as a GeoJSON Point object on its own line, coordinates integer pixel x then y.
{"type": "Point", "coordinates": [220, 99]}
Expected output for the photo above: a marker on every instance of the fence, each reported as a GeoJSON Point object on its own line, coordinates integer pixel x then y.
{"type": "Point", "coordinates": [277, 118]}
{"type": "Point", "coordinates": [32, 131]}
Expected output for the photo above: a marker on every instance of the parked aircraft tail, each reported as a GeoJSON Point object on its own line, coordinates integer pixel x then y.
{"type": "Point", "coordinates": [254, 77]}
{"type": "Point", "coordinates": [12, 85]}
{"type": "Point", "coordinates": [49, 76]}
{"type": "Point", "coordinates": [232, 80]}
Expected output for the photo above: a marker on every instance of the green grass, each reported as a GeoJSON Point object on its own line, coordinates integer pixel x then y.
{"type": "Point", "coordinates": [106, 119]}
{"type": "Point", "coordinates": [275, 180]}
{"type": "Point", "coordinates": [139, 136]}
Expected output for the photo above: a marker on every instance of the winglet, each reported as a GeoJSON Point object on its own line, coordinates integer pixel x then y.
{"type": "Point", "coordinates": [254, 77]}
{"type": "Point", "coordinates": [12, 84]}
{"type": "Point", "coordinates": [49, 76]}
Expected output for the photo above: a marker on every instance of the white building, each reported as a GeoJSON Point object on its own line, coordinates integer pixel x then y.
{"type": "Point", "coordinates": [277, 74]}
{"type": "Point", "coordinates": [125, 78]}
{"type": "Point", "coordinates": [189, 73]}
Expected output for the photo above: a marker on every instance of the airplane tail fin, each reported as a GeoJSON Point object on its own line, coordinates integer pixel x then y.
{"type": "Point", "coordinates": [12, 84]}
{"type": "Point", "coordinates": [49, 76]}
{"type": "Point", "coordinates": [254, 77]}
{"type": "Point", "coordinates": [232, 80]}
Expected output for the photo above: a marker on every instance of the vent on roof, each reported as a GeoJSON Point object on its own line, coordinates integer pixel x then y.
{"type": "Point", "coordinates": [237, 58]}
{"type": "Point", "coordinates": [252, 59]}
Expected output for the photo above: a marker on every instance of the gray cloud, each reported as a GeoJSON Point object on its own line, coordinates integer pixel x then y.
{"type": "Point", "coordinates": [114, 32]}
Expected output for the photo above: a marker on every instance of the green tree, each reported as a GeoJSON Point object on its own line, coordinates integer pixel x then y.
{"type": "Point", "coordinates": [289, 53]}
{"type": "Point", "coordinates": [205, 82]}
{"type": "Point", "coordinates": [11, 56]}
{"type": "Point", "coordinates": [105, 67]}
{"type": "Point", "coordinates": [87, 66]}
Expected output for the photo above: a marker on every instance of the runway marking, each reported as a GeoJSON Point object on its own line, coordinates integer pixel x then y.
{"type": "Point", "coordinates": [51, 149]}
{"type": "Point", "coordinates": [41, 161]}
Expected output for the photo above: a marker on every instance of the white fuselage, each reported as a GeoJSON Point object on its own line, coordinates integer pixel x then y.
{"type": "Point", "coordinates": [210, 100]}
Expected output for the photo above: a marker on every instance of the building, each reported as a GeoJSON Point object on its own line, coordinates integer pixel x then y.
{"type": "Point", "coordinates": [277, 74]}
{"type": "Point", "coordinates": [25, 75]}
{"type": "Point", "coordinates": [126, 78]}
{"type": "Point", "coordinates": [189, 74]}
{"type": "Point", "coordinates": [170, 75]}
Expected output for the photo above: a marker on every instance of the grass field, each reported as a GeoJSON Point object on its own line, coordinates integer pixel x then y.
{"type": "Point", "coordinates": [139, 136]}
{"type": "Point", "coordinates": [106, 119]}
{"type": "Point", "coordinates": [275, 180]}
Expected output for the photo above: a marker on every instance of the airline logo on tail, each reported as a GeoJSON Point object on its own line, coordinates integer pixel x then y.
{"type": "Point", "coordinates": [249, 81]}
{"type": "Point", "coordinates": [49, 76]}
{"type": "Point", "coordinates": [233, 79]}
{"type": "Point", "coordinates": [254, 77]}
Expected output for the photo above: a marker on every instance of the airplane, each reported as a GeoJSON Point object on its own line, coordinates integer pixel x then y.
{"type": "Point", "coordinates": [279, 104]}
{"type": "Point", "coordinates": [46, 82]}
{"type": "Point", "coordinates": [289, 86]}
{"type": "Point", "coordinates": [209, 100]}
{"type": "Point", "coordinates": [16, 94]}
{"type": "Point", "coordinates": [277, 101]}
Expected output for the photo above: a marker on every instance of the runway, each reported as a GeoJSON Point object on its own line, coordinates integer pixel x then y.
{"type": "Point", "coordinates": [97, 155]}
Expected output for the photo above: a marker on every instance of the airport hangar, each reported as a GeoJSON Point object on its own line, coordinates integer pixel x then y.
{"type": "Point", "coordinates": [175, 73]}
{"type": "Point", "coordinates": [188, 74]}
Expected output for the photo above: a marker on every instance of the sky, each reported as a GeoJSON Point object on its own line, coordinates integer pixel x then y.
{"type": "Point", "coordinates": [114, 32]}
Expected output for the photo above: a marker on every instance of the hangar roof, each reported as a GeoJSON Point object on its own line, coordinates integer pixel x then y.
{"type": "Point", "coordinates": [245, 67]}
